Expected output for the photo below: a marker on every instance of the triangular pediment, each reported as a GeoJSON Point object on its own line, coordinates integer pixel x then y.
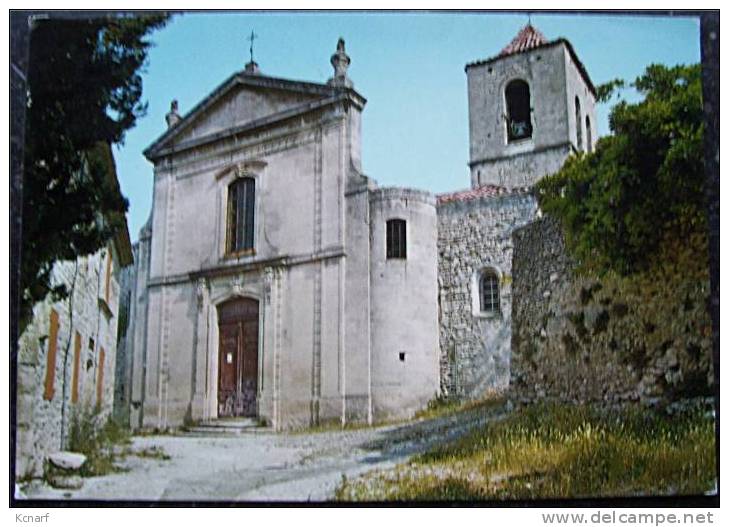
{"type": "Point", "coordinates": [240, 100]}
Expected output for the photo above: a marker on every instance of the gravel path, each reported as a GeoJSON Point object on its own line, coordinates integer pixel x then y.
{"type": "Point", "coordinates": [265, 466]}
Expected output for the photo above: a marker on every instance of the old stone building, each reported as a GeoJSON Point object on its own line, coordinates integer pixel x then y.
{"type": "Point", "coordinates": [67, 353]}
{"type": "Point", "coordinates": [529, 108]}
{"type": "Point", "coordinates": [275, 280]}
{"type": "Point", "coordinates": [282, 283]}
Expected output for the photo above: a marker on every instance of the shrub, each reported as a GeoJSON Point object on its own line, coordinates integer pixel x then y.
{"type": "Point", "coordinates": [95, 439]}
{"type": "Point", "coordinates": [643, 187]}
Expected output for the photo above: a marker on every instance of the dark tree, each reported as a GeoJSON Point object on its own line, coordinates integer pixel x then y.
{"type": "Point", "coordinates": [641, 193]}
{"type": "Point", "coordinates": [84, 91]}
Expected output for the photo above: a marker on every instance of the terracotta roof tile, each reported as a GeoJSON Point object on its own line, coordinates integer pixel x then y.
{"type": "Point", "coordinates": [528, 38]}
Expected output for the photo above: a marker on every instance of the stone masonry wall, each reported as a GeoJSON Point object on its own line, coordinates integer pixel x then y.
{"type": "Point", "coordinates": [473, 235]}
{"type": "Point", "coordinates": [125, 340]}
{"type": "Point", "coordinates": [44, 418]}
{"type": "Point", "coordinates": [579, 339]}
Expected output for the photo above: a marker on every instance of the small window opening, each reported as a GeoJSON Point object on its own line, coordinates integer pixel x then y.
{"type": "Point", "coordinates": [588, 132]}
{"type": "Point", "coordinates": [578, 124]}
{"type": "Point", "coordinates": [396, 242]}
{"type": "Point", "coordinates": [489, 292]}
{"type": "Point", "coordinates": [518, 110]}
{"type": "Point", "coordinates": [402, 356]}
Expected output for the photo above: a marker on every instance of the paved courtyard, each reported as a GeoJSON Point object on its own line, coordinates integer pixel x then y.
{"type": "Point", "coordinates": [263, 466]}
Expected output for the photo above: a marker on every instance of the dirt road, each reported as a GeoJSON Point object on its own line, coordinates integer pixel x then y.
{"type": "Point", "coordinates": [263, 466]}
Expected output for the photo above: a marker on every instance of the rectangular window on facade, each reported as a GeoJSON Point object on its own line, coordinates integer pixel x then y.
{"type": "Point", "coordinates": [396, 242]}
{"type": "Point", "coordinates": [241, 208]}
{"type": "Point", "coordinates": [100, 378]}
{"type": "Point", "coordinates": [51, 356]}
{"type": "Point", "coordinates": [76, 367]}
{"type": "Point", "coordinates": [490, 293]}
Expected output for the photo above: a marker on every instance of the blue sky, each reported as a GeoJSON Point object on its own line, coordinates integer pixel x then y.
{"type": "Point", "coordinates": [409, 66]}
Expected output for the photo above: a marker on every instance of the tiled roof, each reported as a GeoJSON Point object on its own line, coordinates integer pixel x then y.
{"type": "Point", "coordinates": [528, 38]}
{"type": "Point", "coordinates": [466, 195]}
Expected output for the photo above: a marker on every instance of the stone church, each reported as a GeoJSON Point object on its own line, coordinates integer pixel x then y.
{"type": "Point", "coordinates": [277, 281]}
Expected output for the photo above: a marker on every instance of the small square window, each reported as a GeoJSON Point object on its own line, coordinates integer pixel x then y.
{"type": "Point", "coordinates": [402, 356]}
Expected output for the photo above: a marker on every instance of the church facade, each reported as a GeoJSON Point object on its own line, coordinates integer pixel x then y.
{"type": "Point", "coordinates": [275, 280]}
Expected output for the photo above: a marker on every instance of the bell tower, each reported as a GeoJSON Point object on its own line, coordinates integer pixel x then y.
{"type": "Point", "coordinates": [529, 108]}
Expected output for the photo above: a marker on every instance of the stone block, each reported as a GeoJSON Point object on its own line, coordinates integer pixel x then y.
{"type": "Point", "coordinates": [66, 482]}
{"type": "Point", "coordinates": [67, 460]}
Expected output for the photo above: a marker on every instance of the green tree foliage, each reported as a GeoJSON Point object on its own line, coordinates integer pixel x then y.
{"type": "Point", "coordinates": [643, 186]}
{"type": "Point", "coordinates": [85, 91]}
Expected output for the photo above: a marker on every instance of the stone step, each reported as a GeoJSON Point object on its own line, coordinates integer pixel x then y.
{"type": "Point", "coordinates": [226, 427]}
{"type": "Point", "coordinates": [231, 423]}
{"type": "Point", "coordinates": [222, 432]}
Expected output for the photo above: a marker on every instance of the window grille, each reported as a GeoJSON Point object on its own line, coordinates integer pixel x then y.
{"type": "Point", "coordinates": [396, 242]}
{"type": "Point", "coordinates": [490, 292]}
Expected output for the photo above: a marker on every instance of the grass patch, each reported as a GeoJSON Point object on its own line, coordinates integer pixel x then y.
{"type": "Point", "coordinates": [438, 407]}
{"type": "Point", "coordinates": [97, 441]}
{"type": "Point", "coordinates": [152, 452]}
{"type": "Point", "coordinates": [552, 451]}
{"type": "Point", "coordinates": [441, 406]}
{"type": "Point", "coordinates": [335, 426]}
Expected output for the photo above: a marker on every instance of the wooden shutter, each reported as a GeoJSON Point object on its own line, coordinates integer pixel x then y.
{"type": "Point", "coordinates": [249, 190]}
{"type": "Point", "coordinates": [239, 215]}
{"type": "Point", "coordinates": [51, 356]}
{"type": "Point", "coordinates": [100, 378]}
{"type": "Point", "coordinates": [232, 217]}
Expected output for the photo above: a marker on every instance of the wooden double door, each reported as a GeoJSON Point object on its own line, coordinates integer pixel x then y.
{"type": "Point", "coordinates": [238, 358]}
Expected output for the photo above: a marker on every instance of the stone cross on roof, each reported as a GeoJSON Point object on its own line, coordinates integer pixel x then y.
{"type": "Point", "coordinates": [252, 66]}
{"type": "Point", "coordinates": [250, 39]}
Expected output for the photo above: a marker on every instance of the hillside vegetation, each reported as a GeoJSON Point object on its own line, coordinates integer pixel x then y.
{"type": "Point", "coordinates": [551, 451]}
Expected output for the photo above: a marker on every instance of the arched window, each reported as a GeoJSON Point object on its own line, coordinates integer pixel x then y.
{"type": "Point", "coordinates": [578, 124]}
{"type": "Point", "coordinates": [518, 110]}
{"type": "Point", "coordinates": [588, 132]}
{"type": "Point", "coordinates": [489, 292]}
{"type": "Point", "coordinates": [241, 208]}
{"type": "Point", "coordinates": [396, 240]}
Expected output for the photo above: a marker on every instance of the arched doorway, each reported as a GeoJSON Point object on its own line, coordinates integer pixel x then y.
{"type": "Point", "coordinates": [238, 358]}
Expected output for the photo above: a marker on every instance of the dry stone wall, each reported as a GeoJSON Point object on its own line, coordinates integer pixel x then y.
{"type": "Point", "coordinates": [45, 409]}
{"type": "Point", "coordinates": [125, 341]}
{"type": "Point", "coordinates": [579, 339]}
{"type": "Point", "coordinates": [474, 235]}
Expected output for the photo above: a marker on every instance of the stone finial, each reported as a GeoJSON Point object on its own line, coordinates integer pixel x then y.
{"type": "Point", "coordinates": [340, 62]}
{"type": "Point", "coordinates": [172, 116]}
{"type": "Point", "coordinates": [252, 68]}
